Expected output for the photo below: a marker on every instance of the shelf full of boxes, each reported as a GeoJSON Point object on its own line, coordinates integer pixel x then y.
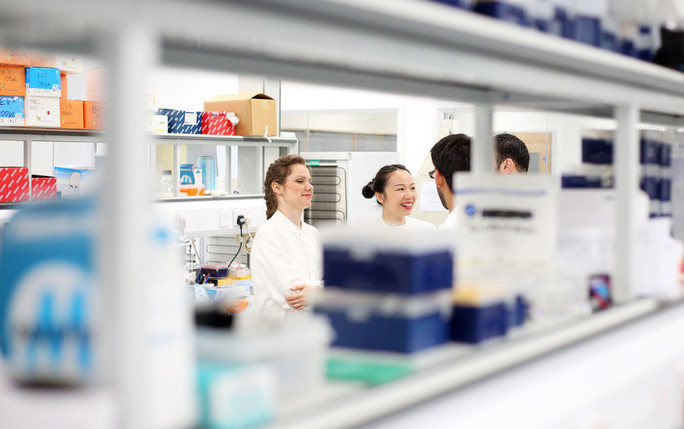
{"type": "Point", "coordinates": [463, 57]}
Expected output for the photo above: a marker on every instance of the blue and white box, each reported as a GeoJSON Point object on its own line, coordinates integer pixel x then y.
{"type": "Point", "coordinates": [11, 110]}
{"type": "Point", "coordinates": [47, 273]}
{"type": "Point", "coordinates": [182, 121]}
{"type": "Point", "coordinates": [43, 81]}
{"type": "Point", "coordinates": [72, 182]}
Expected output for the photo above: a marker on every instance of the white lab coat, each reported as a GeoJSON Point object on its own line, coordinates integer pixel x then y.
{"type": "Point", "coordinates": [409, 224]}
{"type": "Point", "coordinates": [282, 256]}
{"type": "Point", "coordinates": [451, 221]}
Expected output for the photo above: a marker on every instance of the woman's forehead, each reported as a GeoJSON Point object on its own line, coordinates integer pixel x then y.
{"type": "Point", "coordinates": [400, 177]}
{"type": "Point", "coordinates": [299, 170]}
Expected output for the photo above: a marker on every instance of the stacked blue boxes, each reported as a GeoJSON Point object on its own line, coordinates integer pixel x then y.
{"type": "Point", "coordinates": [386, 292]}
{"type": "Point", "coordinates": [650, 173]}
{"type": "Point", "coordinates": [183, 122]}
{"type": "Point", "coordinates": [598, 154]}
{"type": "Point", "coordinates": [666, 179]}
{"type": "Point", "coordinates": [505, 11]}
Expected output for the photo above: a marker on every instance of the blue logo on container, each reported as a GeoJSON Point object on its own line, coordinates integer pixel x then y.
{"type": "Point", "coordinates": [470, 210]}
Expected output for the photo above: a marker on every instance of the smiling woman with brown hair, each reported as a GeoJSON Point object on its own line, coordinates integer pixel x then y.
{"type": "Point", "coordinates": [286, 256]}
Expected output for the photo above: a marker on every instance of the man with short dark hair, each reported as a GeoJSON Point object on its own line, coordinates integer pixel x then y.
{"type": "Point", "coordinates": [449, 155]}
{"type": "Point", "coordinates": [512, 155]}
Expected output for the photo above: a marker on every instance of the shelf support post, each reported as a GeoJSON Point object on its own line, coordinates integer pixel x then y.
{"type": "Point", "coordinates": [626, 171]}
{"type": "Point", "coordinates": [482, 148]}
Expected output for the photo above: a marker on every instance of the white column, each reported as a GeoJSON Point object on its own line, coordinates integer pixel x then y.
{"type": "Point", "coordinates": [482, 149]}
{"type": "Point", "coordinates": [626, 170]}
{"type": "Point", "coordinates": [129, 52]}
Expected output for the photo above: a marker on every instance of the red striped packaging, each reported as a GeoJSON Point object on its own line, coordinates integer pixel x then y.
{"type": "Point", "coordinates": [219, 123]}
{"type": "Point", "coordinates": [43, 187]}
{"type": "Point", "coordinates": [14, 184]}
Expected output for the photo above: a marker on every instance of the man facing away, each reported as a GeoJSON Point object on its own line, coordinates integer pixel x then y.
{"type": "Point", "coordinates": [452, 154]}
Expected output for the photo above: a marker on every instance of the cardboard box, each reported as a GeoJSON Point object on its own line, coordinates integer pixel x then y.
{"type": "Point", "coordinates": [71, 114]}
{"type": "Point", "coordinates": [93, 115]}
{"type": "Point", "coordinates": [15, 57]}
{"type": "Point", "coordinates": [12, 81]}
{"type": "Point", "coordinates": [43, 82]}
{"type": "Point", "coordinates": [95, 79]}
{"type": "Point", "coordinates": [43, 187]}
{"type": "Point", "coordinates": [66, 63]}
{"type": "Point", "coordinates": [14, 184]}
{"type": "Point", "coordinates": [42, 112]}
{"type": "Point", "coordinates": [257, 112]}
{"type": "Point", "coordinates": [11, 111]}
{"type": "Point", "coordinates": [157, 124]}
{"type": "Point", "coordinates": [63, 84]}
{"type": "Point", "coordinates": [74, 181]}
{"type": "Point", "coordinates": [219, 123]}
{"type": "Point", "coordinates": [182, 121]}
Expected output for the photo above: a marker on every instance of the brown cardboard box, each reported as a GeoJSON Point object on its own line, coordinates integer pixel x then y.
{"type": "Point", "coordinates": [95, 81]}
{"type": "Point", "coordinates": [71, 114]}
{"type": "Point", "coordinates": [257, 112]}
{"type": "Point", "coordinates": [93, 115]}
{"type": "Point", "coordinates": [12, 81]}
{"type": "Point", "coordinates": [16, 57]}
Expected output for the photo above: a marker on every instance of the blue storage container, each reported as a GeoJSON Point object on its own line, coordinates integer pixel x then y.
{"type": "Point", "coordinates": [588, 30]}
{"type": "Point", "coordinates": [597, 151]}
{"type": "Point", "coordinates": [388, 271]}
{"type": "Point", "coordinates": [386, 322]}
{"type": "Point", "coordinates": [461, 4]}
{"type": "Point", "coordinates": [567, 23]}
{"type": "Point", "coordinates": [182, 121]}
{"type": "Point", "coordinates": [43, 81]}
{"type": "Point", "coordinates": [577, 181]}
{"type": "Point", "coordinates": [476, 324]}
{"type": "Point", "coordinates": [504, 11]}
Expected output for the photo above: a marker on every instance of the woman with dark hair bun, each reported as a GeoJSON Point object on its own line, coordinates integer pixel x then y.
{"type": "Point", "coordinates": [286, 254]}
{"type": "Point", "coordinates": [394, 189]}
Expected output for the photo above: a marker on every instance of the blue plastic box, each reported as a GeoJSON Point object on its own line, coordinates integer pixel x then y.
{"type": "Point", "coordinates": [567, 23]}
{"type": "Point", "coordinates": [577, 181]}
{"type": "Point", "coordinates": [588, 30]}
{"type": "Point", "coordinates": [182, 121]}
{"type": "Point", "coordinates": [476, 324]}
{"type": "Point", "coordinates": [11, 111]}
{"type": "Point", "coordinates": [388, 271]}
{"type": "Point", "coordinates": [461, 4]}
{"type": "Point", "coordinates": [43, 81]}
{"type": "Point", "coordinates": [597, 151]}
{"type": "Point", "coordinates": [504, 11]}
{"type": "Point", "coordinates": [386, 322]}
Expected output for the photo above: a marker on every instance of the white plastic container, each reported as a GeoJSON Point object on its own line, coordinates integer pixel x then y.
{"type": "Point", "coordinates": [296, 349]}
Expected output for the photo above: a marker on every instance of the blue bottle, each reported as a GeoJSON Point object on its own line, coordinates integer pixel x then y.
{"type": "Point", "coordinates": [208, 166]}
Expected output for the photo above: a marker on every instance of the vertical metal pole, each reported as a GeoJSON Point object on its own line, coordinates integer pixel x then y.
{"type": "Point", "coordinates": [176, 167]}
{"type": "Point", "coordinates": [626, 165]}
{"type": "Point", "coordinates": [130, 51]}
{"type": "Point", "coordinates": [28, 162]}
{"type": "Point", "coordinates": [229, 170]}
{"type": "Point", "coordinates": [482, 149]}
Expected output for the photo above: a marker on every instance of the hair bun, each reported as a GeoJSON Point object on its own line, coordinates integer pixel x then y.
{"type": "Point", "coordinates": [367, 191]}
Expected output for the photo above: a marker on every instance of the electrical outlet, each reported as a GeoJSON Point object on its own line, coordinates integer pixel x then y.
{"type": "Point", "coordinates": [226, 219]}
{"type": "Point", "coordinates": [237, 213]}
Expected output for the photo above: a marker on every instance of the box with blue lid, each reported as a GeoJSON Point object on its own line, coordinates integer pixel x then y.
{"type": "Point", "coordinates": [503, 10]}
{"type": "Point", "coordinates": [386, 322]}
{"type": "Point", "coordinates": [182, 121]}
{"type": "Point", "coordinates": [378, 260]}
{"type": "Point", "coordinates": [11, 110]}
{"type": "Point", "coordinates": [43, 81]}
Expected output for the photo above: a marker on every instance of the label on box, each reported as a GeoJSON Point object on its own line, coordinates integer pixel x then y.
{"type": "Point", "coordinates": [43, 81]}
{"type": "Point", "coordinates": [67, 63]}
{"type": "Point", "coordinates": [190, 118]}
{"type": "Point", "coordinates": [14, 184]}
{"type": "Point", "coordinates": [12, 81]}
{"type": "Point", "coordinates": [11, 110]}
{"type": "Point", "coordinates": [219, 123]}
{"type": "Point", "coordinates": [42, 112]}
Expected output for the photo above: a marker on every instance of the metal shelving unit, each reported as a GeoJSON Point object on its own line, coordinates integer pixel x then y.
{"type": "Point", "coordinates": [405, 46]}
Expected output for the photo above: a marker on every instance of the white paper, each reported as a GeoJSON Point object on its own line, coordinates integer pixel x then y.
{"type": "Point", "coordinates": [429, 198]}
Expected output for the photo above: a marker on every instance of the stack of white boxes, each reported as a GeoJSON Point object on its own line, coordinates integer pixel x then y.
{"type": "Point", "coordinates": [43, 90]}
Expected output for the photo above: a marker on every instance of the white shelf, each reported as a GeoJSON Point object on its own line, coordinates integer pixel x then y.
{"type": "Point", "coordinates": [243, 141]}
{"type": "Point", "coordinates": [455, 368]}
